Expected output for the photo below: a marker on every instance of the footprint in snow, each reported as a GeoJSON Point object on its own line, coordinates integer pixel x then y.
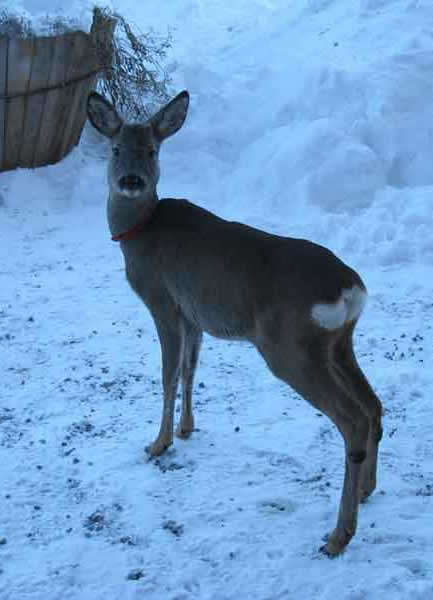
{"type": "Point", "coordinates": [277, 506]}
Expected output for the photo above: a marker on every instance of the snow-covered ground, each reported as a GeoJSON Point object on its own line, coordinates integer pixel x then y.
{"type": "Point", "coordinates": [311, 118]}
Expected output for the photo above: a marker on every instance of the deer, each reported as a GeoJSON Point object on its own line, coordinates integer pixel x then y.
{"type": "Point", "coordinates": [292, 299]}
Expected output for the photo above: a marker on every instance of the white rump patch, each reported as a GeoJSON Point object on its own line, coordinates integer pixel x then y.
{"type": "Point", "coordinates": [347, 308]}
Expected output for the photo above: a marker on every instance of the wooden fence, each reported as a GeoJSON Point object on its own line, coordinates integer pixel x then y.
{"type": "Point", "coordinates": [44, 83]}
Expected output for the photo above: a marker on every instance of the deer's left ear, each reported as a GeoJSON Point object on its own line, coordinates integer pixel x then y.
{"type": "Point", "coordinates": [103, 115]}
{"type": "Point", "coordinates": [170, 118]}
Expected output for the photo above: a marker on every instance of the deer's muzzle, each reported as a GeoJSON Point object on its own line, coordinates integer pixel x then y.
{"type": "Point", "coordinates": [131, 183]}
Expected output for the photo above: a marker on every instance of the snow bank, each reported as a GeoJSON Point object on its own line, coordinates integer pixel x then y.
{"type": "Point", "coordinates": [341, 129]}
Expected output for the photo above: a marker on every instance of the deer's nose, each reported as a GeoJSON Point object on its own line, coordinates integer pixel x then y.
{"type": "Point", "coordinates": [131, 183]}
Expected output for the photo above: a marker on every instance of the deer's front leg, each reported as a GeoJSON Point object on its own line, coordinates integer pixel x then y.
{"type": "Point", "coordinates": [191, 349]}
{"type": "Point", "coordinates": [170, 337]}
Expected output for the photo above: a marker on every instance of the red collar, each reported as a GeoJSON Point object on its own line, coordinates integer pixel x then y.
{"type": "Point", "coordinates": [132, 233]}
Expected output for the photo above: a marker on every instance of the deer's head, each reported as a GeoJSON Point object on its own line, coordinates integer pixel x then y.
{"type": "Point", "coordinates": [133, 169]}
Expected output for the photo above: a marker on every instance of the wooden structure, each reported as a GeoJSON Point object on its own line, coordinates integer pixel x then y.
{"type": "Point", "coordinates": [44, 84]}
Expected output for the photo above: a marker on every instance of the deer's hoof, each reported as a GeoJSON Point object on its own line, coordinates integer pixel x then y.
{"type": "Point", "coordinates": [329, 552]}
{"type": "Point", "coordinates": [335, 545]}
{"type": "Point", "coordinates": [158, 447]}
{"type": "Point", "coordinates": [184, 430]}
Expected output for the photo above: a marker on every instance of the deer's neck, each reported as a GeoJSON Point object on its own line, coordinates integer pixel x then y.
{"type": "Point", "coordinates": [125, 213]}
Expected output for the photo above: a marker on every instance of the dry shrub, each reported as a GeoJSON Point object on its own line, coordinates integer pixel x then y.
{"type": "Point", "coordinates": [132, 76]}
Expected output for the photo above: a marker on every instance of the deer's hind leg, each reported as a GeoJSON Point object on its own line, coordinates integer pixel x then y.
{"type": "Point", "coordinates": [306, 366]}
{"type": "Point", "coordinates": [353, 379]}
{"type": "Point", "coordinates": [192, 339]}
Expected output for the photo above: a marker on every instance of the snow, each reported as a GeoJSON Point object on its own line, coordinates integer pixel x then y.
{"type": "Point", "coordinates": [310, 118]}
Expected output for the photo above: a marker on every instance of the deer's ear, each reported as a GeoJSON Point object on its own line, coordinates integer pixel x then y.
{"type": "Point", "coordinates": [170, 118]}
{"type": "Point", "coordinates": [103, 115]}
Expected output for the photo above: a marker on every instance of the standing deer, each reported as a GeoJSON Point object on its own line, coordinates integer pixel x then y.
{"type": "Point", "coordinates": [294, 300]}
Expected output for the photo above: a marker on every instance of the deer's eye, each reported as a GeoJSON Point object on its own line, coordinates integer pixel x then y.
{"type": "Point", "coordinates": [116, 150]}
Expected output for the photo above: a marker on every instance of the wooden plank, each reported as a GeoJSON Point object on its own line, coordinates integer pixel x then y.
{"type": "Point", "coordinates": [43, 56]}
{"type": "Point", "coordinates": [84, 63]}
{"type": "Point", "coordinates": [20, 60]}
{"type": "Point", "coordinates": [68, 96]}
{"type": "Point", "coordinates": [56, 103]}
{"type": "Point", "coordinates": [3, 90]}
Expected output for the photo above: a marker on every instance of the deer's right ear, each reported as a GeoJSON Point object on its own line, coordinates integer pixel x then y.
{"type": "Point", "coordinates": [103, 115]}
